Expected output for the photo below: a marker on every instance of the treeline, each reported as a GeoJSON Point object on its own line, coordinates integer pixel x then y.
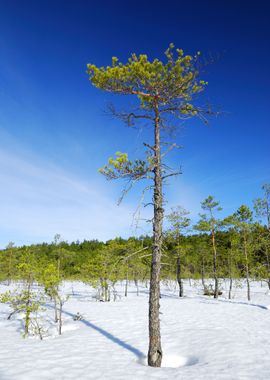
{"type": "Point", "coordinates": [103, 264]}
{"type": "Point", "coordinates": [234, 247]}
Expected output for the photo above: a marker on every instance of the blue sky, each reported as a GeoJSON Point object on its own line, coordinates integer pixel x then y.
{"type": "Point", "coordinates": [54, 135]}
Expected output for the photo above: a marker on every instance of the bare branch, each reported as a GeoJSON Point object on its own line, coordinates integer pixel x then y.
{"type": "Point", "coordinates": [171, 174]}
{"type": "Point", "coordinates": [148, 204]}
{"type": "Point", "coordinates": [133, 253]}
{"type": "Point", "coordinates": [127, 117]}
{"type": "Point", "coordinates": [141, 257]}
{"type": "Point", "coordinates": [149, 146]}
{"type": "Point", "coordinates": [136, 215]}
{"type": "Point", "coordinates": [173, 146]}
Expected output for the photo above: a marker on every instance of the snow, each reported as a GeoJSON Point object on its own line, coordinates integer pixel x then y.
{"type": "Point", "coordinates": [173, 361]}
{"type": "Point", "coordinates": [202, 338]}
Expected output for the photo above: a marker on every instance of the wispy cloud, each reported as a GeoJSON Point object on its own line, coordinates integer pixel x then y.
{"type": "Point", "coordinates": [39, 200]}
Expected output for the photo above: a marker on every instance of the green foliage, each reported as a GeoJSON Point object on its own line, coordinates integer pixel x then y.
{"type": "Point", "coordinates": [262, 205]}
{"type": "Point", "coordinates": [24, 301]}
{"type": "Point", "coordinates": [179, 222]}
{"type": "Point", "coordinates": [243, 216]}
{"type": "Point", "coordinates": [101, 270]}
{"type": "Point", "coordinates": [90, 260]}
{"type": "Point", "coordinates": [102, 264]}
{"type": "Point", "coordinates": [208, 222]}
{"type": "Point", "coordinates": [122, 167]}
{"type": "Point", "coordinates": [49, 278]}
{"type": "Point", "coordinates": [163, 88]}
{"type": "Point", "coordinates": [176, 78]}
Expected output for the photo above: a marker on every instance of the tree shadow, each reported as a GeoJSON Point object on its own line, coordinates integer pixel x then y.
{"type": "Point", "coordinates": [108, 335]}
{"type": "Point", "coordinates": [163, 294]}
{"type": "Point", "coordinates": [3, 376]}
{"type": "Point", "coordinates": [235, 302]}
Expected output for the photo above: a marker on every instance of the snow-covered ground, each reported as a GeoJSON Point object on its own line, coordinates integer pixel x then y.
{"type": "Point", "coordinates": [202, 338]}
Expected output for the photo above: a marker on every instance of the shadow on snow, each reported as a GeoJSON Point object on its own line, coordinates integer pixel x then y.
{"type": "Point", "coordinates": [109, 336]}
{"type": "Point", "coordinates": [234, 302]}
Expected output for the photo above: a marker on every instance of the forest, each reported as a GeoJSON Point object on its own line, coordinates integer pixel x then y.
{"type": "Point", "coordinates": [215, 254]}
{"type": "Point", "coordinates": [156, 111]}
{"type": "Point", "coordinates": [213, 251]}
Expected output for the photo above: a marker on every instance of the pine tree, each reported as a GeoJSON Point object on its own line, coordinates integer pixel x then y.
{"type": "Point", "coordinates": [164, 90]}
{"type": "Point", "coordinates": [209, 222]}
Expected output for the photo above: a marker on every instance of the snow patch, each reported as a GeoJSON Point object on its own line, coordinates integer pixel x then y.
{"type": "Point", "coordinates": [200, 340]}
{"type": "Point", "coordinates": [173, 361]}
{"type": "Point", "coordinates": [70, 327]}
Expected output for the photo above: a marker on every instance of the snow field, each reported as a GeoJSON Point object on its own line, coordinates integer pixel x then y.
{"type": "Point", "coordinates": [202, 338]}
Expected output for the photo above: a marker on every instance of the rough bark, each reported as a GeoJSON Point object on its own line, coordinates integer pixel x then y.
{"type": "Point", "coordinates": [155, 351]}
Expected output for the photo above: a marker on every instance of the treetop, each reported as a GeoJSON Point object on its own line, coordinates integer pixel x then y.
{"type": "Point", "coordinates": [175, 79]}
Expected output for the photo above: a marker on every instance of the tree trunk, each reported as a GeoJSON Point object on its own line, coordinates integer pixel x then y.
{"type": "Point", "coordinates": [179, 276]}
{"type": "Point", "coordinates": [106, 297]}
{"type": "Point", "coordinates": [9, 267]}
{"type": "Point", "coordinates": [126, 285]}
{"type": "Point", "coordinates": [178, 268]}
{"type": "Point", "coordinates": [231, 280]}
{"type": "Point", "coordinates": [155, 351]}
{"type": "Point", "coordinates": [136, 283]}
{"type": "Point", "coordinates": [268, 266]}
{"type": "Point", "coordinates": [266, 249]}
{"type": "Point", "coordinates": [268, 216]}
{"type": "Point", "coordinates": [60, 316]}
{"type": "Point", "coordinates": [203, 275]}
{"type": "Point", "coordinates": [55, 309]}
{"type": "Point", "coordinates": [230, 289]}
{"type": "Point", "coordinates": [247, 267]}
{"type": "Point", "coordinates": [58, 268]}
{"type": "Point", "coordinates": [215, 264]}
{"type": "Point", "coordinates": [27, 310]}
{"type": "Point", "coordinates": [27, 321]}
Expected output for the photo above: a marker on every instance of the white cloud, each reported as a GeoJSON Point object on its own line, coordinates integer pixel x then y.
{"type": "Point", "coordinates": [39, 200]}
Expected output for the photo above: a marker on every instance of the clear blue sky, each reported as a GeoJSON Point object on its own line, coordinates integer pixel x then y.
{"type": "Point", "coordinates": [54, 134]}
